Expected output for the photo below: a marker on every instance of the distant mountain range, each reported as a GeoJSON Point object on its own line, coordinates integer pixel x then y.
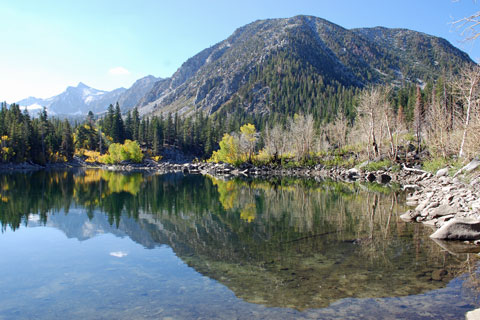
{"type": "Point", "coordinates": [81, 99]}
{"type": "Point", "coordinates": [269, 65]}
{"type": "Point", "coordinates": [264, 61]}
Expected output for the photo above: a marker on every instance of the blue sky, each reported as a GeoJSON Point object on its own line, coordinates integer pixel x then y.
{"type": "Point", "coordinates": [49, 45]}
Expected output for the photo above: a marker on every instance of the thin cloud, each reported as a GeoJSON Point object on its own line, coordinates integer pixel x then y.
{"type": "Point", "coordinates": [118, 254]}
{"type": "Point", "coordinates": [118, 71]}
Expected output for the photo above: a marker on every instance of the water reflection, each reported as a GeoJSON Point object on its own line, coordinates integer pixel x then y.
{"type": "Point", "coordinates": [282, 243]}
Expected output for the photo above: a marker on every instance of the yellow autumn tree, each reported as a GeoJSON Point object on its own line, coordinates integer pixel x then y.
{"type": "Point", "coordinates": [248, 139]}
{"type": "Point", "coordinates": [229, 151]}
{"type": "Point", "coordinates": [234, 148]}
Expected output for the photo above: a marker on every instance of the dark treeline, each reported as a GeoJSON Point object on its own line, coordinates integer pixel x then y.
{"type": "Point", "coordinates": [43, 139]}
{"type": "Point", "coordinates": [39, 140]}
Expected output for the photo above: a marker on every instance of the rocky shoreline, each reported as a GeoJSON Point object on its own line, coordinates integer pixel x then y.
{"type": "Point", "coordinates": [449, 205]}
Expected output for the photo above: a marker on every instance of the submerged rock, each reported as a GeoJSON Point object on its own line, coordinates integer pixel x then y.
{"type": "Point", "coordinates": [458, 229]}
{"type": "Point", "coordinates": [438, 275]}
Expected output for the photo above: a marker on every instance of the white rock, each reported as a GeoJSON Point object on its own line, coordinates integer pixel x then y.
{"type": "Point", "coordinates": [442, 172]}
{"type": "Point", "coordinates": [473, 315]}
{"type": "Point", "coordinates": [458, 229]}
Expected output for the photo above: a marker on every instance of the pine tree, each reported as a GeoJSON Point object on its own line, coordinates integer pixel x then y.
{"type": "Point", "coordinates": [157, 136]}
{"type": "Point", "coordinates": [118, 130]}
{"type": "Point", "coordinates": [129, 126]}
{"type": "Point", "coordinates": [67, 148]}
{"type": "Point", "coordinates": [108, 121]}
{"type": "Point", "coordinates": [135, 124]}
{"type": "Point", "coordinates": [169, 130]}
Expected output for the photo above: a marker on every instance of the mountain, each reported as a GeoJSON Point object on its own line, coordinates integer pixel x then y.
{"type": "Point", "coordinates": [269, 65]}
{"type": "Point", "coordinates": [81, 99]}
{"type": "Point", "coordinates": [131, 96]}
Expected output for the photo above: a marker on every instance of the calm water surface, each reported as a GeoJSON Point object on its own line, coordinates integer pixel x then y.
{"type": "Point", "coordinates": [101, 245]}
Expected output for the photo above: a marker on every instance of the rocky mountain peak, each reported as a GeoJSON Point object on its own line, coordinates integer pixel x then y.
{"type": "Point", "coordinates": [300, 47]}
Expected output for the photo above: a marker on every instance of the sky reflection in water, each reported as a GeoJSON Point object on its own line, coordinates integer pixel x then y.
{"type": "Point", "coordinates": [105, 245]}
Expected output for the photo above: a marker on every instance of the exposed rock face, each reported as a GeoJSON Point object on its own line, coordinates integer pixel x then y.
{"type": "Point", "coordinates": [359, 57]}
{"type": "Point", "coordinates": [459, 229]}
{"type": "Point", "coordinates": [137, 91]}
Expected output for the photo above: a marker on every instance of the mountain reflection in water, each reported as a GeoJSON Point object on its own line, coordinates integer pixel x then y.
{"type": "Point", "coordinates": [285, 243]}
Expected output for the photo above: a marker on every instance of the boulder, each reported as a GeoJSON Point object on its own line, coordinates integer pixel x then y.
{"type": "Point", "coordinates": [410, 215]}
{"type": "Point", "coordinates": [384, 178]}
{"type": "Point", "coordinates": [459, 229]}
{"type": "Point", "coordinates": [371, 177]}
{"type": "Point", "coordinates": [475, 205]}
{"type": "Point", "coordinates": [411, 187]}
{"type": "Point", "coordinates": [353, 174]}
{"type": "Point", "coordinates": [442, 220]}
{"type": "Point", "coordinates": [473, 315]}
{"type": "Point", "coordinates": [422, 205]}
{"type": "Point", "coordinates": [442, 172]}
{"type": "Point", "coordinates": [474, 164]}
{"type": "Point", "coordinates": [443, 210]}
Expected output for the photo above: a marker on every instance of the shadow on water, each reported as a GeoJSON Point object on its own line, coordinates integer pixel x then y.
{"type": "Point", "coordinates": [286, 243]}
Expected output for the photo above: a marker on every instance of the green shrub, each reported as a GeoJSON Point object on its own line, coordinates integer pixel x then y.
{"type": "Point", "coordinates": [117, 152]}
{"type": "Point", "coordinates": [433, 165]}
{"type": "Point", "coordinates": [378, 165]}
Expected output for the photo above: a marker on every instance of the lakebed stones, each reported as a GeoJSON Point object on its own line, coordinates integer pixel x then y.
{"type": "Point", "coordinates": [438, 275]}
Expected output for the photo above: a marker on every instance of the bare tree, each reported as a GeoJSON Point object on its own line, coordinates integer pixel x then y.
{"type": "Point", "coordinates": [469, 26]}
{"type": "Point", "coordinates": [468, 91]}
{"type": "Point", "coordinates": [394, 126]}
{"type": "Point", "coordinates": [335, 133]}
{"type": "Point", "coordinates": [418, 118]}
{"type": "Point", "coordinates": [275, 141]}
{"type": "Point", "coordinates": [371, 118]}
{"type": "Point", "coordinates": [438, 130]}
{"type": "Point", "coordinates": [302, 133]}
{"type": "Point", "coordinates": [248, 140]}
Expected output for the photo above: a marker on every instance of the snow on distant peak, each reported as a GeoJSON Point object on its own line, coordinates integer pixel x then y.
{"type": "Point", "coordinates": [32, 107]}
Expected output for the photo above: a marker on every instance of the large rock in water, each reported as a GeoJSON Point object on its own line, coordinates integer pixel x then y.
{"type": "Point", "coordinates": [458, 229]}
{"type": "Point", "coordinates": [473, 315]}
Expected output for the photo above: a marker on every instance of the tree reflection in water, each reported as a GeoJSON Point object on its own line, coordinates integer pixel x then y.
{"type": "Point", "coordinates": [279, 242]}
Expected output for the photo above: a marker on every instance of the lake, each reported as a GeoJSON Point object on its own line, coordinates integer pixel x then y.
{"type": "Point", "coordinates": [93, 244]}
